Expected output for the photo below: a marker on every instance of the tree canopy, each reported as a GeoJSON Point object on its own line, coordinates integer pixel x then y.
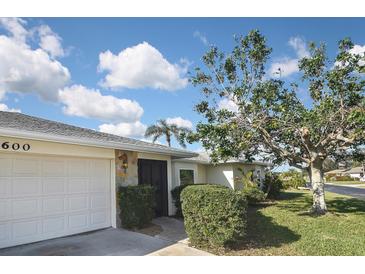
{"type": "Point", "coordinates": [269, 119]}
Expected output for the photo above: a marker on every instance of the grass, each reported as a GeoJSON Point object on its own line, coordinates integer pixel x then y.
{"type": "Point", "coordinates": [346, 182]}
{"type": "Point", "coordinates": [286, 228]}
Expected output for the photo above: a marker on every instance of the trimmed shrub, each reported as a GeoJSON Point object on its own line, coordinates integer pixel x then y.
{"type": "Point", "coordinates": [137, 204]}
{"type": "Point", "coordinates": [176, 192]}
{"type": "Point", "coordinates": [214, 216]}
{"type": "Point", "coordinates": [292, 179]}
{"type": "Point", "coordinates": [272, 186]}
{"type": "Point", "coordinates": [254, 195]}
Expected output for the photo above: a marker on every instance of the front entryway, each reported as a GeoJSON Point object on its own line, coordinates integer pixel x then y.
{"type": "Point", "coordinates": [154, 173]}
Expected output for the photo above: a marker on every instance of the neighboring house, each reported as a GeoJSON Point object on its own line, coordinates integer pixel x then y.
{"type": "Point", "coordinates": [57, 179]}
{"type": "Point", "coordinates": [199, 170]}
{"type": "Point", "coordinates": [355, 172]}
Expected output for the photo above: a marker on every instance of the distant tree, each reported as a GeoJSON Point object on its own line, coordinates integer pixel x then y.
{"type": "Point", "coordinates": [269, 118]}
{"type": "Point", "coordinates": [162, 128]}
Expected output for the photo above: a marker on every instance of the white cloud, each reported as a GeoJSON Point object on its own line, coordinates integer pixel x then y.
{"type": "Point", "coordinates": [136, 129]}
{"type": "Point", "coordinates": [201, 37]}
{"type": "Point", "coordinates": [228, 104]}
{"type": "Point", "coordinates": [284, 67]}
{"type": "Point", "coordinates": [27, 70]}
{"type": "Point", "coordinates": [4, 107]}
{"type": "Point", "coordinates": [141, 66]}
{"type": "Point", "coordinates": [50, 41]}
{"type": "Point", "coordinates": [15, 26]}
{"type": "Point", "coordinates": [180, 122]}
{"type": "Point", "coordinates": [299, 45]}
{"type": "Point", "coordinates": [83, 102]}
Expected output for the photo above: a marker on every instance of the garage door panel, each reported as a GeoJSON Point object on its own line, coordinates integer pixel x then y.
{"type": "Point", "coordinates": [77, 203]}
{"type": "Point", "coordinates": [5, 187]}
{"type": "Point", "coordinates": [77, 185]}
{"type": "Point", "coordinates": [4, 209]}
{"type": "Point", "coordinates": [98, 201]}
{"type": "Point", "coordinates": [26, 229]}
{"type": "Point", "coordinates": [24, 208]}
{"type": "Point", "coordinates": [6, 166]}
{"type": "Point", "coordinates": [96, 186]}
{"type": "Point", "coordinates": [54, 168]}
{"type": "Point", "coordinates": [99, 218]}
{"type": "Point", "coordinates": [43, 197]}
{"type": "Point", "coordinates": [26, 167]}
{"type": "Point", "coordinates": [53, 205]}
{"type": "Point", "coordinates": [54, 186]}
{"type": "Point", "coordinates": [78, 168]}
{"type": "Point", "coordinates": [26, 186]}
{"type": "Point", "coordinates": [78, 221]}
{"type": "Point", "coordinates": [4, 232]}
{"type": "Point", "coordinates": [54, 225]}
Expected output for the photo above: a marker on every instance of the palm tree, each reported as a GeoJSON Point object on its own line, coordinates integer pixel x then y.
{"type": "Point", "coordinates": [162, 128]}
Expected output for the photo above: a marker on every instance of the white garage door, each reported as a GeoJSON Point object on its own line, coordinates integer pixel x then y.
{"type": "Point", "coordinates": [48, 197]}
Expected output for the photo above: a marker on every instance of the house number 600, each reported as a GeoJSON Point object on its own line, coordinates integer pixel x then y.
{"type": "Point", "coordinates": [15, 146]}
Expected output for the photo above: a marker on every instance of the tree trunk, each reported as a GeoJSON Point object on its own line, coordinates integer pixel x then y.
{"type": "Point", "coordinates": [168, 140]}
{"type": "Point", "coordinates": [319, 203]}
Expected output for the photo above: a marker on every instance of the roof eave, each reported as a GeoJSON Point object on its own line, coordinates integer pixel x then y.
{"type": "Point", "coordinates": [103, 144]}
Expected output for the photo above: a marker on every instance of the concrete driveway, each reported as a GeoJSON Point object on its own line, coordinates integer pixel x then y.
{"type": "Point", "coordinates": [347, 190]}
{"type": "Point", "coordinates": [113, 242]}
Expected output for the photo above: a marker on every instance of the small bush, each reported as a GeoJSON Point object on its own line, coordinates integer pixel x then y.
{"type": "Point", "coordinates": [214, 216]}
{"type": "Point", "coordinates": [292, 179]}
{"type": "Point", "coordinates": [137, 204]}
{"type": "Point", "coordinates": [254, 195]}
{"type": "Point", "coordinates": [272, 185]}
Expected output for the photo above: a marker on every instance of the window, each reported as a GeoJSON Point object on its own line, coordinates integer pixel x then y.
{"type": "Point", "coordinates": [186, 176]}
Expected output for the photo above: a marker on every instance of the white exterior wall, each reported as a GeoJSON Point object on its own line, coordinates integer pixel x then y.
{"type": "Point", "coordinates": [220, 175]}
{"type": "Point", "coordinates": [247, 168]}
{"type": "Point", "coordinates": [201, 178]}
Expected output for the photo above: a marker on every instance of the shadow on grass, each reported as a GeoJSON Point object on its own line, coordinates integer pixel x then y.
{"type": "Point", "coordinates": [336, 205]}
{"type": "Point", "coordinates": [262, 232]}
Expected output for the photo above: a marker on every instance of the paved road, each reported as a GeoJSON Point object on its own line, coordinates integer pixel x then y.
{"type": "Point", "coordinates": [347, 190]}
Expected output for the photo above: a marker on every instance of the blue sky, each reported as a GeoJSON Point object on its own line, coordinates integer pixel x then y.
{"type": "Point", "coordinates": [77, 57]}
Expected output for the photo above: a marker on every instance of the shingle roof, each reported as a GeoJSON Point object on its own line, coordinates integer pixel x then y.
{"type": "Point", "coordinates": [25, 123]}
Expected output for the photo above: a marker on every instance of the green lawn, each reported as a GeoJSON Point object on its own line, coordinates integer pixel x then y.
{"type": "Point", "coordinates": [286, 228]}
{"type": "Point", "coordinates": [346, 182]}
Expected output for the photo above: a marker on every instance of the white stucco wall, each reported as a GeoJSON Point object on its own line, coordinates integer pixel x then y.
{"type": "Point", "coordinates": [220, 174]}
{"type": "Point", "coordinates": [201, 177]}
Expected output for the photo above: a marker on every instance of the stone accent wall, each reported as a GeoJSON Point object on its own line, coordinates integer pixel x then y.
{"type": "Point", "coordinates": [125, 175]}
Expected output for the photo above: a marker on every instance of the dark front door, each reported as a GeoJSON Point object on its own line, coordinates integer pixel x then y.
{"type": "Point", "coordinates": [154, 173]}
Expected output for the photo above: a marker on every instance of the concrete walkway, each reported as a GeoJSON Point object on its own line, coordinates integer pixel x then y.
{"type": "Point", "coordinates": [107, 242]}
{"type": "Point", "coordinates": [347, 190]}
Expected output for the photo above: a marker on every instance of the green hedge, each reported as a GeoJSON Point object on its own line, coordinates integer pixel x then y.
{"type": "Point", "coordinates": [137, 205]}
{"type": "Point", "coordinates": [254, 195]}
{"type": "Point", "coordinates": [214, 216]}
{"type": "Point", "coordinates": [176, 192]}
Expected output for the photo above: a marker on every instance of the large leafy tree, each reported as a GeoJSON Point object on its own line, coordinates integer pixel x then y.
{"type": "Point", "coordinates": [269, 119]}
{"type": "Point", "coordinates": [167, 130]}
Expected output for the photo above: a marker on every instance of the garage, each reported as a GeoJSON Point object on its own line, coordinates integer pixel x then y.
{"type": "Point", "coordinates": [43, 197]}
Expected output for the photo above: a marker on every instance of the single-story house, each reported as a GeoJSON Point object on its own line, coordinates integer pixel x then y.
{"type": "Point", "coordinates": [58, 179]}
{"type": "Point", "coordinates": [200, 170]}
